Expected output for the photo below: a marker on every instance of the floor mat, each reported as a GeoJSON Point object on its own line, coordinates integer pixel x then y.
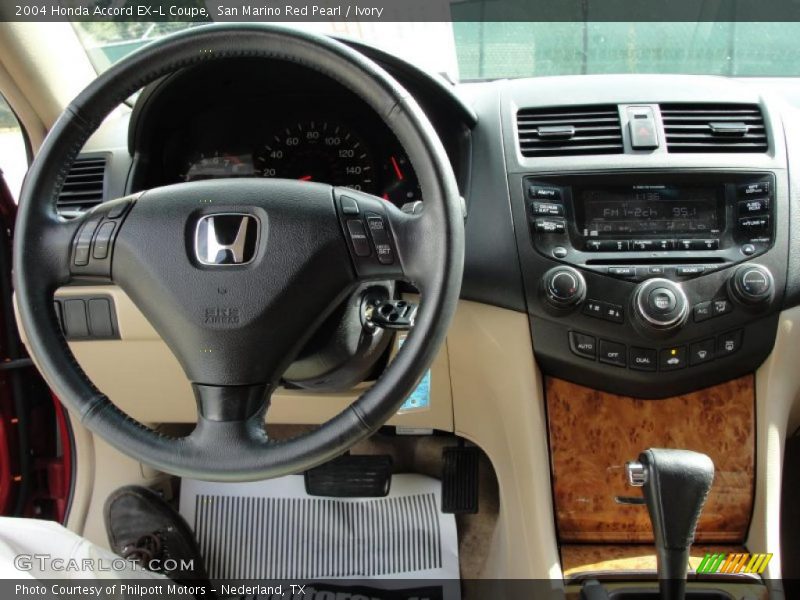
{"type": "Point", "coordinates": [273, 530]}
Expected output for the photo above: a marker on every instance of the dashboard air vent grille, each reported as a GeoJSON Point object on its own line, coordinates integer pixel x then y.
{"type": "Point", "coordinates": [84, 186]}
{"type": "Point", "coordinates": [569, 131]}
{"type": "Point", "coordinates": [714, 128]}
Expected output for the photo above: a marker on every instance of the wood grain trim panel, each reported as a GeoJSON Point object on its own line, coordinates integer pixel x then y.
{"type": "Point", "coordinates": [592, 435]}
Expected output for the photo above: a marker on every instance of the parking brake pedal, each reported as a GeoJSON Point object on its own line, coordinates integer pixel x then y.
{"type": "Point", "coordinates": [460, 480]}
{"type": "Point", "coordinates": [351, 476]}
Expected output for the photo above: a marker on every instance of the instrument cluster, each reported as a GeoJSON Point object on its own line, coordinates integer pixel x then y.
{"type": "Point", "coordinates": [323, 147]}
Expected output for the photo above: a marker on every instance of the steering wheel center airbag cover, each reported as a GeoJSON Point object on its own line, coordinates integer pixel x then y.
{"type": "Point", "coordinates": [217, 317]}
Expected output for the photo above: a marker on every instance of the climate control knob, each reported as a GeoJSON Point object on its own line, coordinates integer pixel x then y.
{"type": "Point", "coordinates": [661, 304]}
{"type": "Point", "coordinates": [752, 284]}
{"type": "Point", "coordinates": [564, 287]}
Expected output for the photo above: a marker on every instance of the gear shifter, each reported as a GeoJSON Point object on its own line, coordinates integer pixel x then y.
{"type": "Point", "coordinates": [676, 484]}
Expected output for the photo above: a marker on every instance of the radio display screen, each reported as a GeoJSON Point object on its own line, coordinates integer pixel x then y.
{"type": "Point", "coordinates": [649, 210]}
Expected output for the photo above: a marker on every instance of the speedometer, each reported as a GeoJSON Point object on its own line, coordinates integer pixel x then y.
{"type": "Point", "coordinates": [323, 151]}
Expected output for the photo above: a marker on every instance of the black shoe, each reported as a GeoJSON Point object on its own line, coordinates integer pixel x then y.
{"type": "Point", "coordinates": [142, 527]}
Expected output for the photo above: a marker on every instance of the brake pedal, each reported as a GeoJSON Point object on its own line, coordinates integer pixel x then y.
{"type": "Point", "coordinates": [351, 476]}
{"type": "Point", "coordinates": [460, 480]}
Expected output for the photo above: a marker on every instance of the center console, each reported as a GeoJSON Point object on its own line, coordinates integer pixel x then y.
{"type": "Point", "coordinates": [652, 283]}
{"type": "Point", "coordinates": [653, 265]}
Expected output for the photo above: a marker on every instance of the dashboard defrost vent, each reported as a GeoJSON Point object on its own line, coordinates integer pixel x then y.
{"type": "Point", "coordinates": [84, 186]}
{"type": "Point", "coordinates": [569, 131]}
{"type": "Point", "coordinates": [714, 128]}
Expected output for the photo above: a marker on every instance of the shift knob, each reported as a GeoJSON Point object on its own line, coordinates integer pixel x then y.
{"type": "Point", "coordinates": [675, 484]}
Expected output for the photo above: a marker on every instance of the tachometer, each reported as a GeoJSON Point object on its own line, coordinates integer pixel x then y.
{"type": "Point", "coordinates": [318, 150]}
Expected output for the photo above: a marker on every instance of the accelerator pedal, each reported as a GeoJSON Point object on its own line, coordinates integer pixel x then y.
{"type": "Point", "coordinates": [351, 476]}
{"type": "Point", "coordinates": [460, 480]}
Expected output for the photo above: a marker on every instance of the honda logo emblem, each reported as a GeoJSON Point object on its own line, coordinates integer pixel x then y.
{"type": "Point", "coordinates": [226, 239]}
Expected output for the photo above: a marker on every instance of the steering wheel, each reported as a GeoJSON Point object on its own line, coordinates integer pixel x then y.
{"type": "Point", "coordinates": [236, 274]}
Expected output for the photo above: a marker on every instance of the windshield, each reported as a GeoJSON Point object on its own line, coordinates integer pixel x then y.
{"type": "Point", "coordinates": [492, 50]}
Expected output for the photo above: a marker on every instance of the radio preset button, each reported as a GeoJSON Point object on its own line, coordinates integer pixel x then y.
{"type": "Point", "coordinates": [549, 209]}
{"type": "Point", "coordinates": [643, 245]}
{"type": "Point", "coordinates": [607, 245]}
{"type": "Point", "coordinates": [701, 244]}
{"type": "Point", "coordinates": [665, 244]}
{"type": "Point", "coordinates": [612, 353]}
{"type": "Point", "coordinates": [614, 245]}
{"type": "Point", "coordinates": [542, 192]}
{"type": "Point", "coordinates": [550, 226]}
{"type": "Point", "coordinates": [642, 359]}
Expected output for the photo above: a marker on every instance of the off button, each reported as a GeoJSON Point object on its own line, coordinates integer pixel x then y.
{"type": "Point", "coordinates": [612, 353]}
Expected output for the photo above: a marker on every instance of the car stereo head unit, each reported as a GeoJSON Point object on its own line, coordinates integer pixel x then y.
{"type": "Point", "coordinates": [697, 221]}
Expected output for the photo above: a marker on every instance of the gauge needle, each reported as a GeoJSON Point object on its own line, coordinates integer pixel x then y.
{"type": "Point", "coordinates": [305, 178]}
{"type": "Point", "coordinates": [397, 170]}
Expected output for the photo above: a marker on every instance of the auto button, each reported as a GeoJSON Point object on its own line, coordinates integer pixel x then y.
{"type": "Point", "coordinates": [582, 344]}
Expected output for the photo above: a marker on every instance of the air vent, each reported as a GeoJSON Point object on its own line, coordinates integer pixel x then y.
{"type": "Point", "coordinates": [714, 128]}
{"type": "Point", "coordinates": [84, 186]}
{"type": "Point", "coordinates": [569, 131]}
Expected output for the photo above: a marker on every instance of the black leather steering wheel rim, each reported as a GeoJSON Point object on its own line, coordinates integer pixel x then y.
{"type": "Point", "coordinates": [237, 450]}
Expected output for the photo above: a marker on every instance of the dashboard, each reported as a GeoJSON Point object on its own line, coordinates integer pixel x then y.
{"type": "Point", "coordinates": [644, 260]}
{"type": "Point", "coordinates": [642, 222]}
